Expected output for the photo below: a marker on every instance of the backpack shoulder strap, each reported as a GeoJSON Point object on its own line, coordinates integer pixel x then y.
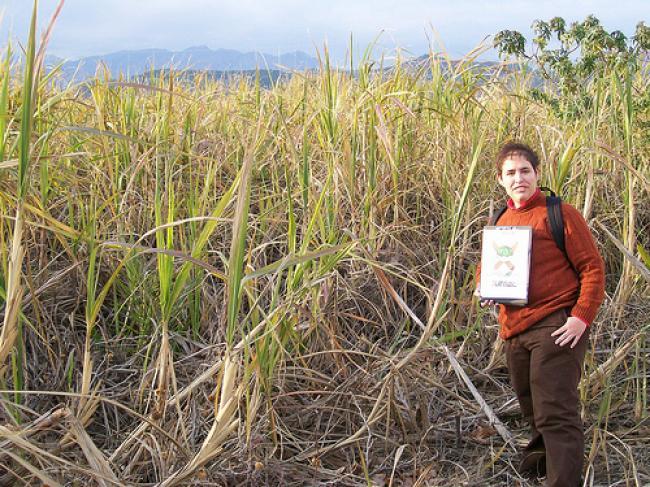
{"type": "Point", "coordinates": [555, 219]}
{"type": "Point", "coordinates": [554, 210]}
{"type": "Point", "coordinates": [496, 215]}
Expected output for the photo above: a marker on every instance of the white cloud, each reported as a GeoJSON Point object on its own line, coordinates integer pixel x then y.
{"type": "Point", "coordinates": [86, 27]}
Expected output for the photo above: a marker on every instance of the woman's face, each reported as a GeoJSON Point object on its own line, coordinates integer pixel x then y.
{"type": "Point", "coordinates": [518, 178]}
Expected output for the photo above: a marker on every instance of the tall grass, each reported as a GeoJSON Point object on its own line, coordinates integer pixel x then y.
{"type": "Point", "coordinates": [240, 283]}
{"type": "Point", "coordinates": [11, 344]}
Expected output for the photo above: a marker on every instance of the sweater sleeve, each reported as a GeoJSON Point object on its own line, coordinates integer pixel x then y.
{"type": "Point", "coordinates": [583, 254]}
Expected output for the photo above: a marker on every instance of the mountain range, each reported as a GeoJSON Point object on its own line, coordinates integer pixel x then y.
{"type": "Point", "coordinates": [223, 63]}
{"type": "Point", "coordinates": [198, 58]}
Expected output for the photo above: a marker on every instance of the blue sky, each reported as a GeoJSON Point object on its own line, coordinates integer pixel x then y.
{"type": "Point", "coordinates": [88, 27]}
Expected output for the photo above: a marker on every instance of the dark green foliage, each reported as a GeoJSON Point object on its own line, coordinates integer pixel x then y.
{"type": "Point", "coordinates": [510, 42]}
{"type": "Point", "coordinates": [574, 56]}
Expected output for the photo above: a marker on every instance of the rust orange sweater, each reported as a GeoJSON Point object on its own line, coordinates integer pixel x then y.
{"type": "Point", "coordinates": [553, 283]}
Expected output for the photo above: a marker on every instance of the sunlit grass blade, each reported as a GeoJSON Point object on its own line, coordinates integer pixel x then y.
{"type": "Point", "coordinates": [238, 247]}
{"type": "Point", "coordinates": [4, 102]}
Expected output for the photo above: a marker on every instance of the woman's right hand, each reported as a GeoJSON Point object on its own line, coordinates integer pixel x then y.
{"type": "Point", "coordinates": [483, 302]}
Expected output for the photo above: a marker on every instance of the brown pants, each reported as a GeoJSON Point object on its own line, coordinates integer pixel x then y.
{"type": "Point", "coordinates": [545, 378]}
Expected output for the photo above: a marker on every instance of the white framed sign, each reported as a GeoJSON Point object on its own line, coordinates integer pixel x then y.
{"type": "Point", "coordinates": [505, 264]}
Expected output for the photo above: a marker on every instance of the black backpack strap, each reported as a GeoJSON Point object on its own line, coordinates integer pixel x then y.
{"type": "Point", "coordinates": [496, 215]}
{"type": "Point", "coordinates": [554, 210]}
{"type": "Point", "coordinates": [555, 219]}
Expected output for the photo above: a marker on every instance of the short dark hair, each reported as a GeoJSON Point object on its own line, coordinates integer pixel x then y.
{"type": "Point", "coordinates": [520, 149]}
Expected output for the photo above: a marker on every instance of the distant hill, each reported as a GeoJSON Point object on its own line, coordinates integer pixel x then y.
{"type": "Point", "coordinates": [228, 64]}
{"type": "Point", "coordinates": [200, 58]}
{"type": "Point", "coordinates": [267, 77]}
{"type": "Point", "coordinates": [487, 69]}
{"type": "Point", "coordinates": [424, 63]}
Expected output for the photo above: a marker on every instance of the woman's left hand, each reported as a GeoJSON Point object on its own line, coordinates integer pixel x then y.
{"type": "Point", "coordinates": [570, 332]}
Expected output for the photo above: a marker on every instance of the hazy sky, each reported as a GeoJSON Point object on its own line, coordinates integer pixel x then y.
{"type": "Point", "coordinates": [88, 27]}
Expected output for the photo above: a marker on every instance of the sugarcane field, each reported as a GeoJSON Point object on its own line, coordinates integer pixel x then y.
{"type": "Point", "coordinates": [271, 277]}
